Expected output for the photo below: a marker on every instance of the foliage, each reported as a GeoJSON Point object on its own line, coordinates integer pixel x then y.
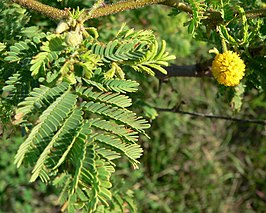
{"type": "Point", "coordinates": [82, 121]}
{"type": "Point", "coordinates": [73, 93]}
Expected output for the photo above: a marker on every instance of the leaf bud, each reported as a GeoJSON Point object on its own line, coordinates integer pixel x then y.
{"type": "Point", "coordinates": [61, 27]}
{"type": "Point", "coordinates": [74, 38]}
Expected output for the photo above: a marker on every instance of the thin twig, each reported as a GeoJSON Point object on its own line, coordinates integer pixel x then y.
{"type": "Point", "coordinates": [197, 114]}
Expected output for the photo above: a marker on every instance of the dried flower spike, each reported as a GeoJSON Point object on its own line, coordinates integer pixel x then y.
{"type": "Point", "coordinates": [228, 68]}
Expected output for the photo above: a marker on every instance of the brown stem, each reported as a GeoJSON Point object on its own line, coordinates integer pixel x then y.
{"type": "Point", "coordinates": [44, 9]}
{"type": "Point", "coordinates": [57, 14]}
{"type": "Point", "coordinates": [121, 6]}
{"type": "Point", "coordinates": [260, 13]}
{"type": "Point", "coordinates": [213, 16]}
{"type": "Point", "coordinates": [178, 5]}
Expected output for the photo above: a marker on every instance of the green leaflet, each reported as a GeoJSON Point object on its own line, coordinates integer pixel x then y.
{"type": "Point", "coordinates": [12, 82]}
{"type": "Point", "coordinates": [63, 147]}
{"type": "Point", "coordinates": [144, 36]}
{"type": "Point", "coordinates": [198, 9]}
{"type": "Point", "coordinates": [49, 122]}
{"type": "Point", "coordinates": [40, 97]}
{"type": "Point", "coordinates": [137, 49]}
{"type": "Point", "coordinates": [40, 60]}
{"type": "Point", "coordinates": [120, 115]}
{"type": "Point", "coordinates": [31, 32]}
{"type": "Point", "coordinates": [118, 130]}
{"type": "Point", "coordinates": [223, 32]}
{"type": "Point", "coordinates": [95, 84]}
{"type": "Point", "coordinates": [107, 154]}
{"type": "Point", "coordinates": [105, 97]}
{"type": "Point", "coordinates": [51, 50]}
{"type": "Point", "coordinates": [62, 135]}
{"type": "Point", "coordinates": [91, 171]}
{"type": "Point", "coordinates": [120, 85]}
{"type": "Point", "coordinates": [19, 50]}
{"type": "Point", "coordinates": [245, 26]}
{"type": "Point", "coordinates": [25, 49]}
{"type": "Point", "coordinates": [116, 51]}
{"type": "Point", "coordinates": [131, 151]}
{"type": "Point", "coordinates": [115, 85]}
{"type": "Point", "coordinates": [78, 154]}
{"type": "Point", "coordinates": [154, 59]}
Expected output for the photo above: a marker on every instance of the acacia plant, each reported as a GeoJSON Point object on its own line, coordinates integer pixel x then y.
{"type": "Point", "coordinates": [70, 91]}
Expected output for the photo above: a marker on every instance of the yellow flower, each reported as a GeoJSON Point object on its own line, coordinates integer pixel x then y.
{"type": "Point", "coordinates": [228, 68]}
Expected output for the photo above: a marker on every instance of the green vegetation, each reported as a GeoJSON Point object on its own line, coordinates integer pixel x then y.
{"type": "Point", "coordinates": [92, 129]}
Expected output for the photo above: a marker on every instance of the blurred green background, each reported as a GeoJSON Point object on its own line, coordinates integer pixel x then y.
{"type": "Point", "coordinates": [189, 164]}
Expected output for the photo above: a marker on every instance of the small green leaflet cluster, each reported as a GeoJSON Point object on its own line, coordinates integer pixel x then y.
{"type": "Point", "coordinates": [16, 60]}
{"type": "Point", "coordinates": [57, 62]}
{"type": "Point", "coordinates": [82, 121]}
{"type": "Point", "coordinates": [208, 16]}
{"type": "Point", "coordinates": [198, 9]}
{"type": "Point", "coordinates": [244, 36]}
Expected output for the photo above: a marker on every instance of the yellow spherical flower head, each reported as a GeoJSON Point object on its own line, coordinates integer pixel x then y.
{"type": "Point", "coordinates": [228, 68]}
